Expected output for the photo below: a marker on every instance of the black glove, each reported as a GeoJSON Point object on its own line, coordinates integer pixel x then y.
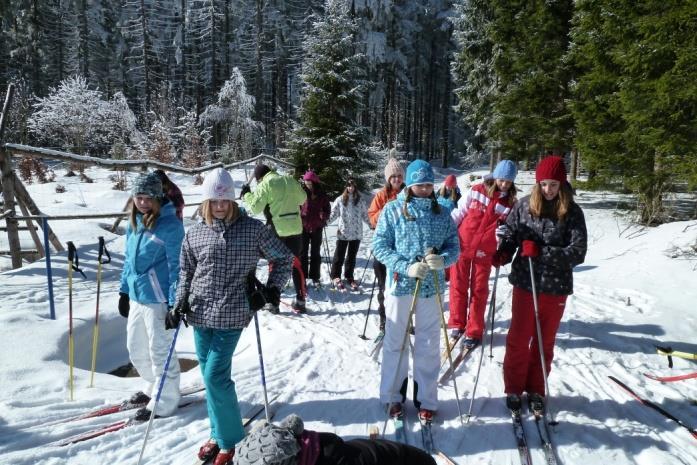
{"type": "Point", "coordinates": [245, 190]}
{"type": "Point", "coordinates": [257, 300]}
{"type": "Point", "coordinates": [124, 304]}
{"type": "Point", "coordinates": [272, 295]}
{"type": "Point", "coordinates": [177, 314]}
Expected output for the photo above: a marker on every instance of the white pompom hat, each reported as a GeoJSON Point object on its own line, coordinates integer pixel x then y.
{"type": "Point", "coordinates": [218, 185]}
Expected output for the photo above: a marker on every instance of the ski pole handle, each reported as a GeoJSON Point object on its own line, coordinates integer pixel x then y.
{"type": "Point", "coordinates": [103, 251]}
{"type": "Point", "coordinates": [72, 252]}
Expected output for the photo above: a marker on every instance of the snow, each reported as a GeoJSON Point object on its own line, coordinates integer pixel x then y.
{"type": "Point", "coordinates": [629, 295]}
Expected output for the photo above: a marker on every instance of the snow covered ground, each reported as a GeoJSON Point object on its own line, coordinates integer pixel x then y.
{"type": "Point", "coordinates": [629, 296]}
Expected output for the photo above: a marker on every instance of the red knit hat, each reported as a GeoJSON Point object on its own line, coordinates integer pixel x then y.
{"type": "Point", "coordinates": [450, 181]}
{"type": "Point", "coordinates": [551, 168]}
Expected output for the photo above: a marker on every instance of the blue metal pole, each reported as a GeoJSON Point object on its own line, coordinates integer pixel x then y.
{"type": "Point", "coordinates": [49, 273]}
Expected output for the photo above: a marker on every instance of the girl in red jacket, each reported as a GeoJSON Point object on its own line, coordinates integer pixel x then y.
{"type": "Point", "coordinates": [485, 206]}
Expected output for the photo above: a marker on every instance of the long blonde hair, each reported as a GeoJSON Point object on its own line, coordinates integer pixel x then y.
{"type": "Point", "coordinates": [559, 207]}
{"type": "Point", "coordinates": [492, 187]}
{"type": "Point", "coordinates": [149, 218]}
{"type": "Point", "coordinates": [207, 212]}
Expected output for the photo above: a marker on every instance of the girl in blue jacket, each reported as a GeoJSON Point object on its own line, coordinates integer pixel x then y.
{"type": "Point", "coordinates": [148, 287]}
{"type": "Point", "coordinates": [414, 237]}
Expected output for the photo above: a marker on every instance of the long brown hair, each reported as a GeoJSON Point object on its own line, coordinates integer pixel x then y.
{"type": "Point", "coordinates": [149, 218]}
{"type": "Point", "coordinates": [346, 194]}
{"type": "Point", "coordinates": [558, 208]}
{"type": "Point", "coordinates": [435, 206]}
{"type": "Point", "coordinates": [491, 188]}
{"type": "Point", "coordinates": [207, 212]}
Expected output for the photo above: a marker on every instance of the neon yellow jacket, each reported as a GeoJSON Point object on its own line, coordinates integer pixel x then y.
{"type": "Point", "coordinates": [284, 196]}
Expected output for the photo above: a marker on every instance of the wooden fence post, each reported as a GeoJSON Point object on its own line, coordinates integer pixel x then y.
{"type": "Point", "coordinates": [8, 178]}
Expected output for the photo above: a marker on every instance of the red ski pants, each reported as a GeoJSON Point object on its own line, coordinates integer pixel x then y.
{"type": "Point", "coordinates": [522, 368]}
{"type": "Point", "coordinates": [469, 275]}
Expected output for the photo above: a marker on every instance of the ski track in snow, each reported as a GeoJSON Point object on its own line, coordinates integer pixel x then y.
{"type": "Point", "coordinates": [321, 370]}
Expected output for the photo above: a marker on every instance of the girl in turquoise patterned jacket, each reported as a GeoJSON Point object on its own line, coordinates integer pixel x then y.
{"type": "Point", "coordinates": [415, 236]}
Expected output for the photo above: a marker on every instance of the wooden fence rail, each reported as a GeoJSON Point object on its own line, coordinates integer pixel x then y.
{"type": "Point", "coordinates": [19, 150]}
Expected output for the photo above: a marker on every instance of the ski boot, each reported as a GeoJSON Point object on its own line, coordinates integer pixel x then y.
{"type": "Point", "coordinates": [224, 458]}
{"type": "Point", "coordinates": [513, 403]}
{"type": "Point", "coordinates": [426, 415]}
{"type": "Point", "coordinates": [396, 410]}
{"type": "Point", "coordinates": [536, 404]}
{"type": "Point", "coordinates": [298, 306]}
{"type": "Point", "coordinates": [208, 450]}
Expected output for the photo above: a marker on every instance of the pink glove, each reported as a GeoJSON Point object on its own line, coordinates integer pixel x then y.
{"type": "Point", "coordinates": [530, 249]}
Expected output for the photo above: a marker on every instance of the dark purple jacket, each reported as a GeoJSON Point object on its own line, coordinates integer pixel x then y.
{"type": "Point", "coordinates": [174, 194]}
{"type": "Point", "coordinates": [315, 211]}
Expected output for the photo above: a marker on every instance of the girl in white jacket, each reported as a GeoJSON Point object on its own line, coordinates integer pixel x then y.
{"type": "Point", "coordinates": [352, 211]}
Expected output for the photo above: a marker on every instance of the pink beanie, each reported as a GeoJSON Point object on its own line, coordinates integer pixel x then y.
{"type": "Point", "coordinates": [393, 168]}
{"type": "Point", "coordinates": [311, 176]}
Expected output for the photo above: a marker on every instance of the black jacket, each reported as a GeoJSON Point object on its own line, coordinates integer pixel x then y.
{"type": "Point", "coordinates": [336, 451]}
{"type": "Point", "coordinates": [562, 244]}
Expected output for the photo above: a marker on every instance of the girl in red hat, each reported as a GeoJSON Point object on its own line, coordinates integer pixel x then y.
{"type": "Point", "coordinates": [548, 228]}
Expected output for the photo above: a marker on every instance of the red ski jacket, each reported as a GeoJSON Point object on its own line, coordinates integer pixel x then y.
{"type": "Point", "coordinates": [477, 219]}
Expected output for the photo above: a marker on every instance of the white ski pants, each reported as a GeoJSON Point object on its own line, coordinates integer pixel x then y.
{"type": "Point", "coordinates": [426, 363]}
{"type": "Point", "coordinates": [148, 344]}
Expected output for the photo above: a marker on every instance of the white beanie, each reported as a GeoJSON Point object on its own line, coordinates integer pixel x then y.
{"type": "Point", "coordinates": [218, 185]}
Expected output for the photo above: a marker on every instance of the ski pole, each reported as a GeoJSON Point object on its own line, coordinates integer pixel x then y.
{"type": "Point", "coordinates": [325, 242]}
{"type": "Point", "coordinates": [445, 332]}
{"type": "Point", "coordinates": [493, 313]}
{"type": "Point", "coordinates": [261, 367]}
{"type": "Point", "coordinates": [72, 253]}
{"type": "Point", "coordinates": [548, 411]}
{"type": "Point", "coordinates": [370, 302]}
{"type": "Point", "coordinates": [401, 350]}
{"type": "Point", "coordinates": [492, 307]}
{"type": "Point", "coordinates": [370, 257]}
{"type": "Point", "coordinates": [95, 332]}
{"type": "Point", "coordinates": [159, 391]}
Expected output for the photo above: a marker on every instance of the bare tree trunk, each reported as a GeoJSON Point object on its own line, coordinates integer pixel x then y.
{"type": "Point", "coordinates": [574, 164]}
{"type": "Point", "coordinates": [83, 48]}
{"type": "Point", "coordinates": [146, 49]}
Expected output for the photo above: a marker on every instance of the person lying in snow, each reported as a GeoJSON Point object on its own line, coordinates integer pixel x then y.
{"type": "Point", "coordinates": [290, 443]}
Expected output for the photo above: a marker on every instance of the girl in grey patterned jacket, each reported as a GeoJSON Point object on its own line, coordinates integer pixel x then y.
{"type": "Point", "coordinates": [352, 211]}
{"type": "Point", "coordinates": [216, 260]}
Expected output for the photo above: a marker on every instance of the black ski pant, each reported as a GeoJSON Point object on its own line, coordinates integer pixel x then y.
{"type": "Point", "coordinates": [380, 271]}
{"type": "Point", "coordinates": [312, 243]}
{"type": "Point", "coordinates": [338, 260]}
{"type": "Point", "coordinates": [295, 244]}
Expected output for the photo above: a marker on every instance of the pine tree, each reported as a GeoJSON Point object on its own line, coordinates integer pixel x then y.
{"type": "Point", "coordinates": [327, 137]}
{"type": "Point", "coordinates": [635, 99]}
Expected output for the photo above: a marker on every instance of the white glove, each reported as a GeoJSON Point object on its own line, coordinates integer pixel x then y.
{"type": "Point", "coordinates": [435, 261]}
{"type": "Point", "coordinates": [418, 270]}
{"type": "Point", "coordinates": [501, 230]}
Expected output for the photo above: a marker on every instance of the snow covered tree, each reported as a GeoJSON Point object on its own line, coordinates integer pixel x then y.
{"type": "Point", "coordinates": [327, 137]}
{"type": "Point", "coordinates": [473, 69]}
{"type": "Point", "coordinates": [231, 116]}
{"type": "Point", "coordinates": [80, 120]}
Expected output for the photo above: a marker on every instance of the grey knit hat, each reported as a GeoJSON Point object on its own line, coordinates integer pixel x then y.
{"type": "Point", "coordinates": [268, 444]}
{"type": "Point", "coordinates": [148, 184]}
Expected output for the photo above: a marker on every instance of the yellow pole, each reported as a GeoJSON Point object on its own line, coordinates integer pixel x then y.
{"type": "Point", "coordinates": [95, 332]}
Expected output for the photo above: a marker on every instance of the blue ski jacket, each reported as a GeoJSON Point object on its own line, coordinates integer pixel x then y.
{"type": "Point", "coordinates": [400, 241]}
{"type": "Point", "coordinates": [151, 262]}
